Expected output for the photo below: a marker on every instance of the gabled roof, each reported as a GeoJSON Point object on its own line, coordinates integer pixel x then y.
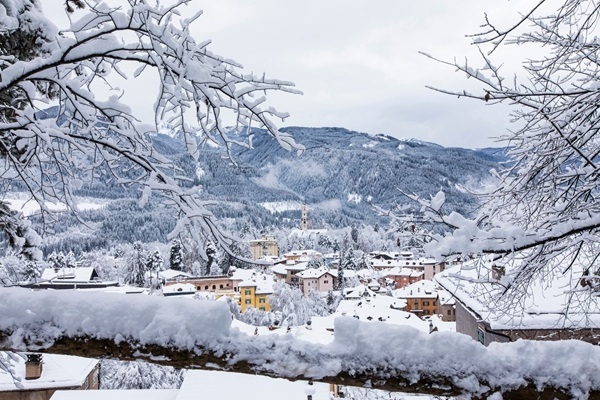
{"type": "Point", "coordinates": [296, 267]}
{"type": "Point", "coordinates": [314, 273]}
{"type": "Point", "coordinates": [547, 303]}
{"type": "Point", "coordinates": [80, 274]}
{"type": "Point", "coordinates": [172, 274]}
{"type": "Point", "coordinates": [400, 271]}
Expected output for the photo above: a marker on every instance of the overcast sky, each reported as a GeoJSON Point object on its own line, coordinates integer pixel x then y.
{"type": "Point", "coordinates": [357, 62]}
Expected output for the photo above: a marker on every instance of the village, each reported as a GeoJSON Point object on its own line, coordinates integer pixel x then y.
{"type": "Point", "coordinates": [396, 288]}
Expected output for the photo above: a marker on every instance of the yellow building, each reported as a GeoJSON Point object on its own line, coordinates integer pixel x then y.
{"type": "Point", "coordinates": [255, 292]}
{"type": "Point", "coordinates": [264, 247]}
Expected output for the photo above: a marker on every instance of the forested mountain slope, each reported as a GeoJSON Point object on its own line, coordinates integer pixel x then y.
{"type": "Point", "coordinates": [340, 176]}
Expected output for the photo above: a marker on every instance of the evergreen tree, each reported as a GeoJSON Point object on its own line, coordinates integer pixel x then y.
{"type": "Point", "coordinates": [69, 260]}
{"type": "Point", "coordinates": [211, 254]}
{"type": "Point", "coordinates": [354, 234]}
{"type": "Point", "coordinates": [31, 271]}
{"type": "Point", "coordinates": [347, 260]}
{"type": "Point", "coordinates": [336, 246]}
{"type": "Point", "coordinates": [340, 283]}
{"type": "Point", "coordinates": [176, 255]}
{"type": "Point", "coordinates": [57, 260]}
{"type": "Point", "coordinates": [154, 265]}
{"type": "Point", "coordinates": [135, 269]}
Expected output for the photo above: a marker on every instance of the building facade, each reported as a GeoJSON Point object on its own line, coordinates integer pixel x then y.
{"type": "Point", "coordinates": [266, 246]}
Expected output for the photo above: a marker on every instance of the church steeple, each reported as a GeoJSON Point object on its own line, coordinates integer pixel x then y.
{"type": "Point", "coordinates": [304, 218]}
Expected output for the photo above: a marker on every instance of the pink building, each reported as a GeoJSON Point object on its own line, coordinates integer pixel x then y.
{"type": "Point", "coordinates": [319, 279]}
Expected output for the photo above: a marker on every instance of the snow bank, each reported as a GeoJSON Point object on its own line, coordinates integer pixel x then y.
{"type": "Point", "coordinates": [48, 315]}
{"type": "Point", "coordinates": [374, 349]}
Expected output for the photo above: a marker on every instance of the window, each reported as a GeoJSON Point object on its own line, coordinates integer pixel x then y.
{"type": "Point", "coordinates": [247, 292]}
{"type": "Point", "coordinates": [425, 303]}
{"type": "Point", "coordinates": [261, 300]}
{"type": "Point", "coordinates": [325, 282]}
{"type": "Point", "coordinates": [294, 279]}
{"type": "Point", "coordinates": [214, 287]}
{"type": "Point", "coordinates": [449, 312]}
{"type": "Point", "coordinates": [206, 287]}
{"type": "Point", "coordinates": [198, 288]}
{"type": "Point", "coordinates": [248, 301]}
{"type": "Point", "coordinates": [426, 312]}
{"type": "Point", "coordinates": [261, 308]}
{"type": "Point", "coordinates": [220, 286]}
{"type": "Point", "coordinates": [480, 335]}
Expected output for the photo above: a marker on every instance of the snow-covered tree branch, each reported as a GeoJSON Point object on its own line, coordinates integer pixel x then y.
{"type": "Point", "coordinates": [93, 132]}
{"type": "Point", "coordinates": [545, 210]}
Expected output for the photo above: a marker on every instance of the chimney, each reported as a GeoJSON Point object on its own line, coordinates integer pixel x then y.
{"type": "Point", "coordinates": [33, 366]}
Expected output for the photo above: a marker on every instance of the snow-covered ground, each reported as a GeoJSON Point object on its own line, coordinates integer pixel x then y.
{"type": "Point", "coordinates": [19, 202]}
{"type": "Point", "coordinates": [357, 346]}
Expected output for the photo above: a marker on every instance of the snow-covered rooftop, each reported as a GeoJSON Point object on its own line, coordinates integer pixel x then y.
{"type": "Point", "coordinates": [420, 289]}
{"type": "Point", "coordinates": [312, 273]}
{"type": "Point", "coordinates": [547, 304]}
{"type": "Point", "coordinates": [401, 271]}
{"type": "Point", "coordinates": [172, 274]}
{"type": "Point", "coordinates": [80, 274]}
{"type": "Point", "coordinates": [262, 282]}
{"type": "Point", "coordinates": [58, 371]}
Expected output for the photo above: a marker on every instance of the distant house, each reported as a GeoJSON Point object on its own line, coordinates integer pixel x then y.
{"type": "Point", "coordinates": [384, 255]}
{"type": "Point", "coordinates": [547, 311]}
{"type": "Point", "coordinates": [70, 278]}
{"type": "Point", "coordinates": [301, 256]}
{"type": "Point", "coordinates": [289, 272]}
{"type": "Point", "coordinates": [173, 275]}
{"type": "Point", "coordinates": [263, 247]}
{"type": "Point", "coordinates": [42, 375]}
{"type": "Point", "coordinates": [423, 298]}
{"type": "Point", "coordinates": [215, 283]}
{"type": "Point", "coordinates": [403, 276]}
{"type": "Point", "coordinates": [316, 279]}
{"type": "Point", "coordinates": [254, 292]}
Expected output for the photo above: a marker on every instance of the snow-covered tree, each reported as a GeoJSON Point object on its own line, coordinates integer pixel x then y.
{"type": "Point", "coordinates": [127, 375]}
{"type": "Point", "coordinates": [212, 266]}
{"type": "Point", "coordinates": [256, 317]}
{"type": "Point", "coordinates": [546, 210]}
{"type": "Point", "coordinates": [347, 260]}
{"type": "Point", "coordinates": [295, 308]}
{"type": "Point", "coordinates": [70, 261]}
{"type": "Point", "coordinates": [31, 271]}
{"type": "Point", "coordinates": [154, 264]}
{"type": "Point", "coordinates": [354, 233]}
{"type": "Point", "coordinates": [176, 255]}
{"type": "Point", "coordinates": [136, 267]}
{"type": "Point", "coordinates": [57, 260]}
{"type": "Point", "coordinates": [340, 282]}
{"type": "Point", "coordinates": [92, 132]}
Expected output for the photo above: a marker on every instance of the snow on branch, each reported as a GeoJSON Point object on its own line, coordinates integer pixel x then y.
{"type": "Point", "coordinates": [86, 135]}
